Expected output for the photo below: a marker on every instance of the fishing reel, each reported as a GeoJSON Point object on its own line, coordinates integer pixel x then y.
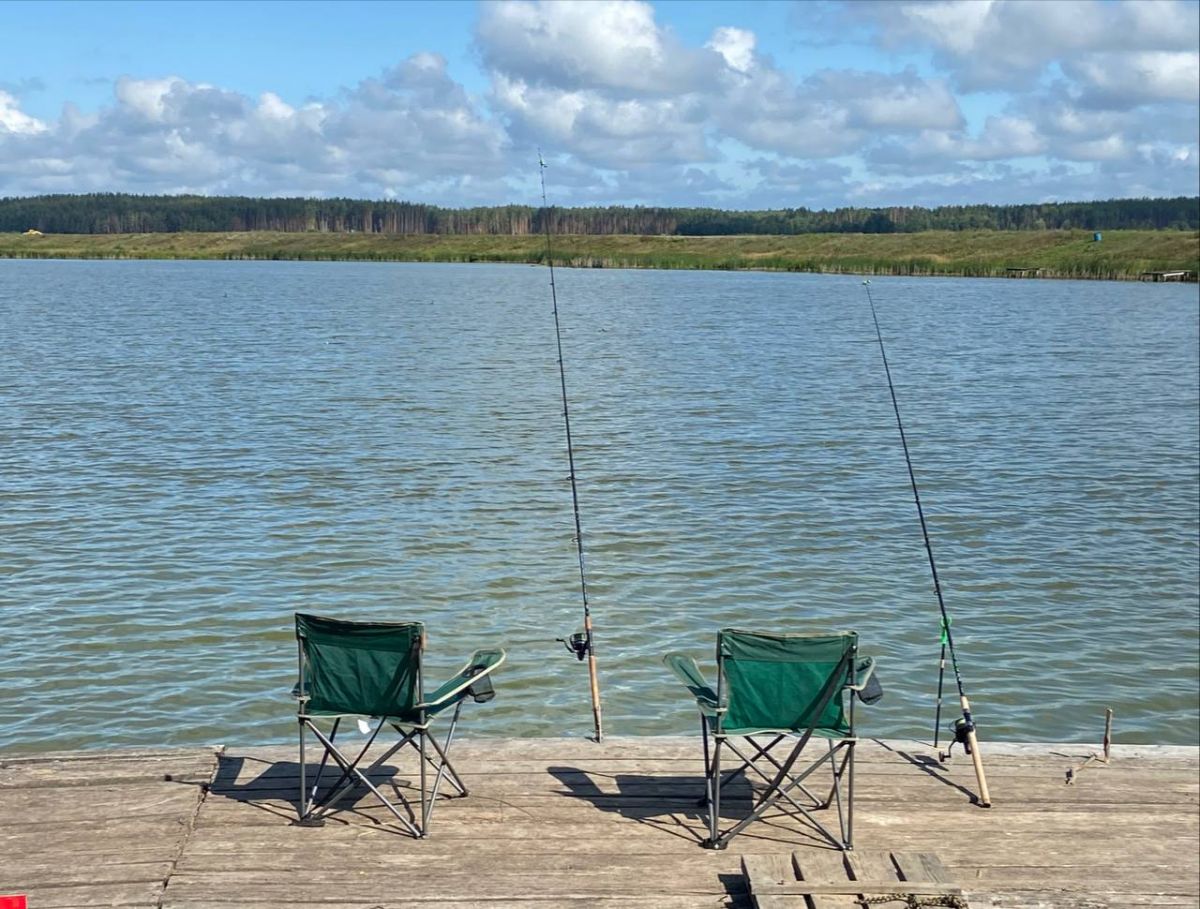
{"type": "Point", "coordinates": [962, 729]}
{"type": "Point", "coordinates": [576, 644]}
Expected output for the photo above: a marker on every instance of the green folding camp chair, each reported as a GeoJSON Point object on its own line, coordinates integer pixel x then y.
{"type": "Point", "coordinates": [373, 669]}
{"type": "Point", "coordinates": [790, 688]}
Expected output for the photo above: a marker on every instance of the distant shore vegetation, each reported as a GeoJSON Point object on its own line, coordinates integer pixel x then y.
{"type": "Point", "coordinates": [115, 213]}
{"type": "Point", "coordinates": [1118, 255]}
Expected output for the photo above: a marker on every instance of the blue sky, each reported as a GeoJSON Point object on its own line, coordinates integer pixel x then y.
{"type": "Point", "coordinates": [738, 105]}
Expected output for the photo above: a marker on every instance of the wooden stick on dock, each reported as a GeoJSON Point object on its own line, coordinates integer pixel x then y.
{"type": "Point", "coordinates": [1094, 758]}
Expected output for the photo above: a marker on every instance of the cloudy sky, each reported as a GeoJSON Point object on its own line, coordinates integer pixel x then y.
{"type": "Point", "coordinates": [728, 104]}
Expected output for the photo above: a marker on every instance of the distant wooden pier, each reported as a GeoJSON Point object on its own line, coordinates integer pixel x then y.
{"type": "Point", "coordinates": [1168, 276]}
{"type": "Point", "coordinates": [566, 823]}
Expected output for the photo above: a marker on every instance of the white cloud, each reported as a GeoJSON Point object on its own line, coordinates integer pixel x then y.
{"type": "Point", "coordinates": [604, 130]}
{"type": "Point", "coordinates": [901, 101]}
{"type": "Point", "coordinates": [600, 44]}
{"type": "Point", "coordinates": [15, 121]}
{"type": "Point", "coordinates": [736, 47]}
{"type": "Point", "coordinates": [1119, 80]}
{"type": "Point", "coordinates": [171, 135]}
{"type": "Point", "coordinates": [1007, 44]}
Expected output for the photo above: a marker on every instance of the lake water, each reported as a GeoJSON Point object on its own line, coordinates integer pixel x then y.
{"type": "Point", "coordinates": [189, 452]}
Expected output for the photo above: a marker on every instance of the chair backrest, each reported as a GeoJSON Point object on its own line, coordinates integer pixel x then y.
{"type": "Point", "coordinates": [785, 681]}
{"type": "Point", "coordinates": [368, 668]}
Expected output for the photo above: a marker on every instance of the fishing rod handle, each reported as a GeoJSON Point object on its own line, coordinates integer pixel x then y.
{"type": "Point", "coordinates": [985, 798]}
{"type": "Point", "coordinates": [593, 677]}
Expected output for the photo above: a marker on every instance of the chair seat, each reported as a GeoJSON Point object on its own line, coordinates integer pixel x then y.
{"type": "Point", "coordinates": [412, 718]}
{"type": "Point", "coordinates": [819, 731]}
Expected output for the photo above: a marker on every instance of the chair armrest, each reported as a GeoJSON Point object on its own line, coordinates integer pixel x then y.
{"type": "Point", "coordinates": [686, 670]}
{"type": "Point", "coordinates": [482, 663]}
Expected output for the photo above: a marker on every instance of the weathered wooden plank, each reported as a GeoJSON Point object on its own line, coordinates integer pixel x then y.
{"type": "Point", "coordinates": [142, 894]}
{"type": "Point", "coordinates": [27, 873]}
{"type": "Point", "coordinates": [1059, 899]}
{"type": "Point", "coordinates": [871, 866]}
{"type": "Point", "coordinates": [1083, 818]}
{"type": "Point", "coordinates": [1129, 876]}
{"type": "Point", "coordinates": [22, 807]}
{"type": "Point", "coordinates": [194, 766]}
{"type": "Point", "coordinates": [282, 781]}
{"type": "Point", "coordinates": [764, 875]}
{"type": "Point", "coordinates": [920, 866]}
{"type": "Point", "coordinates": [824, 866]}
{"type": "Point", "coordinates": [477, 761]}
{"type": "Point", "coordinates": [437, 901]}
{"type": "Point", "coordinates": [482, 884]}
{"type": "Point", "coordinates": [882, 809]}
{"type": "Point", "coordinates": [153, 835]}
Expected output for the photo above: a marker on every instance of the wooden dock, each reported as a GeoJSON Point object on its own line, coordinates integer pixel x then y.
{"type": "Point", "coordinates": [567, 823]}
{"type": "Point", "coordinates": [1178, 275]}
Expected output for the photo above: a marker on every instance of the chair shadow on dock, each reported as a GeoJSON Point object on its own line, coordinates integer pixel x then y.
{"type": "Point", "coordinates": [275, 789]}
{"type": "Point", "coordinates": [674, 805]}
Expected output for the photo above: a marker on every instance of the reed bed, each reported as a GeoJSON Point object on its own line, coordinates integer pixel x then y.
{"type": "Point", "coordinates": [1121, 255]}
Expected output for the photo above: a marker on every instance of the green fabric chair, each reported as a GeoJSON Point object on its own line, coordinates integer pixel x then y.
{"type": "Point", "coordinates": [374, 669]}
{"type": "Point", "coordinates": [791, 688]}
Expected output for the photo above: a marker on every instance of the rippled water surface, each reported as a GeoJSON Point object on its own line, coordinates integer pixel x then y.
{"type": "Point", "coordinates": [189, 452]}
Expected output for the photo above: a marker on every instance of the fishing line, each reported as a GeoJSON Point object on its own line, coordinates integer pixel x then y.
{"type": "Point", "coordinates": [582, 644]}
{"type": "Point", "coordinates": [964, 729]}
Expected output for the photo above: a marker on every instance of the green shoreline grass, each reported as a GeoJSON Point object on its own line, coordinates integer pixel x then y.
{"type": "Point", "coordinates": [1121, 255]}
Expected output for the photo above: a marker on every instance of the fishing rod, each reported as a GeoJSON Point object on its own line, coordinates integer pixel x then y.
{"type": "Point", "coordinates": [582, 644]}
{"type": "Point", "coordinates": [964, 729]}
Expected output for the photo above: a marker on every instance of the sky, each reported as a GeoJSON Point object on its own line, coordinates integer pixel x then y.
{"type": "Point", "coordinates": [745, 105]}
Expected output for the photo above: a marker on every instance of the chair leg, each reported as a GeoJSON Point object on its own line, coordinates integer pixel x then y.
{"type": "Point", "coordinates": [835, 791]}
{"type": "Point", "coordinates": [706, 799]}
{"type": "Point", "coordinates": [302, 805]}
{"type": "Point", "coordinates": [308, 803]}
{"type": "Point", "coordinates": [442, 767]}
{"type": "Point", "coordinates": [350, 769]}
{"type": "Point", "coordinates": [715, 840]}
{"type": "Point", "coordinates": [850, 796]}
{"type": "Point", "coordinates": [424, 773]}
{"type": "Point", "coordinates": [442, 749]}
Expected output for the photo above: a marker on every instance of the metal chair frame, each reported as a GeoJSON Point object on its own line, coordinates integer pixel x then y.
{"type": "Point", "coordinates": [313, 811]}
{"type": "Point", "coordinates": [782, 779]}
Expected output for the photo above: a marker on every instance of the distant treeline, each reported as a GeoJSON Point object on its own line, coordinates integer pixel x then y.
{"type": "Point", "coordinates": [115, 213]}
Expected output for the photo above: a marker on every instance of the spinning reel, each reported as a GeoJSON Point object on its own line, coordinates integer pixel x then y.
{"type": "Point", "coordinates": [577, 644]}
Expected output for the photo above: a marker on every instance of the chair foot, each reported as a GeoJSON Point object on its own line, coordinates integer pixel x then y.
{"type": "Point", "coordinates": [717, 844]}
{"type": "Point", "coordinates": [309, 821]}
